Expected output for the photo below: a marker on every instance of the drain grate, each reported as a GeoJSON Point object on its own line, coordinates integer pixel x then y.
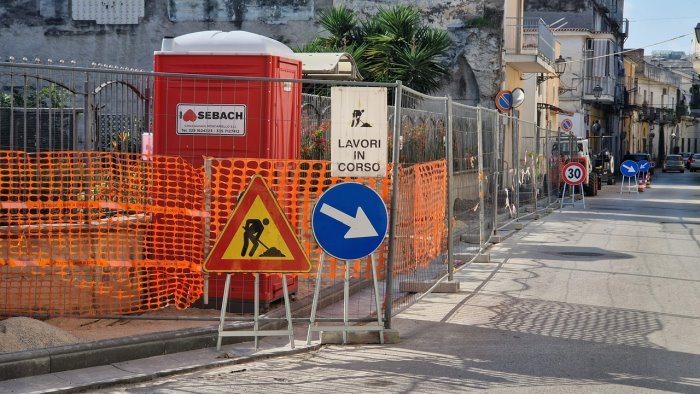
{"type": "Point", "coordinates": [581, 254]}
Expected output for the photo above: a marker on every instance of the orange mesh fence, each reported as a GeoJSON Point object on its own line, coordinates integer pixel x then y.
{"type": "Point", "coordinates": [297, 184]}
{"type": "Point", "coordinates": [421, 234]}
{"type": "Point", "coordinates": [95, 232]}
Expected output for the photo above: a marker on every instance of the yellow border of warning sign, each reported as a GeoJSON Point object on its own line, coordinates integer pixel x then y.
{"type": "Point", "coordinates": [257, 210]}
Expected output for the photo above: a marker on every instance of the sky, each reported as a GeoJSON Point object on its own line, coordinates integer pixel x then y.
{"type": "Point", "coordinates": [653, 21]}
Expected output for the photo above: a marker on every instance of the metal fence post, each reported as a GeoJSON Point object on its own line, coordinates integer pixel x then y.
{"type": "Point", "coordinates": [389, 289]}
{"type": "Point", "coordinates": [536, 158]}
{"type": "Point", "coordinates": [495, 137]}
{"type": "Point", "coordinates": [450, 192]}
{"type": "Point", "coordinates": [89, 116]}
{"type": "Point", "coordinates": [207, 223]}
{"type": "Point", "coordinates": [515, 137]}
{"type": "Point", "coordinates": [482, 177]}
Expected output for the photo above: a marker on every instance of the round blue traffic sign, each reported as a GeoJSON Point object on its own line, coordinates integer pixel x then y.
{"type": "Point", "coordinates": [643, 166]}
{"type": "Point", "coordinates": [349, 221]}
{"type": "Point", "coordinates": [567, 125]}
{"type": "Point", "coordinates": [504, 100]}
{"type": "Point", "coordinates": [629, 168]}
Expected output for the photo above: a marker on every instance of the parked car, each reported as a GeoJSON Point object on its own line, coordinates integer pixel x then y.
{"type": "Point", "coordinates": [686, 156]}
{"type": "Point", "coordinates": [674, 163]}
{"type": "Point", "coordinates": [639, 156]}
{"type": "Point", "coordinates": [694, 162]}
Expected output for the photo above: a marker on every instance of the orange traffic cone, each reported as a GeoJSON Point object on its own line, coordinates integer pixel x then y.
{"type": "Point", "coordinates": [640, 187]}
{"type": "Point", "coordinates": [648, 181]}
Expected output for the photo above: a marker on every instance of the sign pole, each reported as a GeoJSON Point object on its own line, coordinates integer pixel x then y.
{"type": "Point", "coordinates": [314, 303]}
{"type": "Point", "coordinates": [346, 300]}
{"type": "Point", "coordinates": [376, 298]}
{"type": "Point", "coordinates": [256, 309]}
{"type": "Point", "coordinates": [288, 310]}
{"type": "Point", "coordinates": [222, 317]}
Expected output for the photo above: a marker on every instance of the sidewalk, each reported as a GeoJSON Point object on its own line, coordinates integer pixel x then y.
{"type": "Point", "coordinates": [147, 369]}
{"type": "Point", "coordinates": [150, 368]}
{"type": "Point", "coordinates": [602, 299]}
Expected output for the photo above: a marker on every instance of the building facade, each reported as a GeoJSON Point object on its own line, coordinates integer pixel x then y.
{"type": "Point", "coordinates": [591, 34]}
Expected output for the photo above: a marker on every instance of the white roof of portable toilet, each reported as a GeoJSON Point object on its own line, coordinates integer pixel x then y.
{"type": "Point", "coordinates": [224, 42]}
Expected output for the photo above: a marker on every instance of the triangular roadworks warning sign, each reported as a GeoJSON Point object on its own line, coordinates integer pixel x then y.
{"type": "Point", "coordinates": [257, 237]}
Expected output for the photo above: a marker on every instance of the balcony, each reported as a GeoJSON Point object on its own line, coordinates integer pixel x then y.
{"type": "Point", "coordinates": [529, 45]}
{"type": "Point", "coordinates": [657, 115]}
{"type": "Point", "coordinates": [599, 89]}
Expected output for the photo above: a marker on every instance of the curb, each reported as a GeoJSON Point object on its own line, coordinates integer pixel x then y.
{"type": "Point", "coordinates": [140, 378]}
{"type": "Point", "coordinates": [108, 351]}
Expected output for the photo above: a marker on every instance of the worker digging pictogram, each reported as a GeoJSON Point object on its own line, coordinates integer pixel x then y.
{"type": "Point", "coordinates": [357, 119]}
{"type": "Point", "coordinates": [257, 237]}
{"type": "Point", "coordinates": [252, 231]}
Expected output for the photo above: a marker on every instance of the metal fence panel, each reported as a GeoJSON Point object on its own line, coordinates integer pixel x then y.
{"type": "Point", "coordinates": [110, 115]}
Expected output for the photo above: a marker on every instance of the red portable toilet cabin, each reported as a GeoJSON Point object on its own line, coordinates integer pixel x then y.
{"type": "Point", "coordinates": [204, 116]}
{"type": "Point", "coordinates": [199, 116]}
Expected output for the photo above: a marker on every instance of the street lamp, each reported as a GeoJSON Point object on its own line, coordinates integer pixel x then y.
{"type": "Point", "coordinates": [597, 91]}
{"type": "Point", "coordinates": [559, 68]}
{"type": "Point", "coordinates": [697, 33]}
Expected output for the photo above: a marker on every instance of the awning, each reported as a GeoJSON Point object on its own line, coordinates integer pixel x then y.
{"type": "Point", "coordinates": [329, 66]}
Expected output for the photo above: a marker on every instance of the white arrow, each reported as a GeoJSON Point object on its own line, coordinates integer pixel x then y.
{"type": "Point", "coordinates": [628, 168]}
{"type": "Point", "coordinates": [643, 166]}
{"type": "Point", "coordinates": [360, 226]}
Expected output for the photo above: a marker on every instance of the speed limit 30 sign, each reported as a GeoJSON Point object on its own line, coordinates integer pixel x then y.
{"type": "Point", "coordinates": [574, 173]}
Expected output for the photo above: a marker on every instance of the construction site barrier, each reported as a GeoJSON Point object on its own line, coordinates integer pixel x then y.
{"type": "Point", "coordinates": [98, 233]}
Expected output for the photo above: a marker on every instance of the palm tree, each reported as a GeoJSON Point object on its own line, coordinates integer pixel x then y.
{"type": "Point", "coordinates": [392, 45]}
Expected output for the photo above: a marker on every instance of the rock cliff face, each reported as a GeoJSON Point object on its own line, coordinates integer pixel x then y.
{"type": "Point", "coordinates": [475, 57]}
{"type": "Point", "coordinates": [82, 31]}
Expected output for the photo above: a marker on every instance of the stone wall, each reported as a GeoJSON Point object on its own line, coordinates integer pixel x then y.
{"type": "Point", "coordinates": [49, 29]}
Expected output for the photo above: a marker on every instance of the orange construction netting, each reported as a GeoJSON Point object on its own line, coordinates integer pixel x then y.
{"type": "Point", "coordinates": [97, 233]}
{"type": "Point", "coordinates": [421, 231]}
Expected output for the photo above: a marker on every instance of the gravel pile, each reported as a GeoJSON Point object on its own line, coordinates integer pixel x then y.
{"type": "Point", "coordinates": [23, 333]}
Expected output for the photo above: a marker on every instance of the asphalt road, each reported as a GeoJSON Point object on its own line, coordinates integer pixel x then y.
{"type": "Point", "coordinates": [601, 299]}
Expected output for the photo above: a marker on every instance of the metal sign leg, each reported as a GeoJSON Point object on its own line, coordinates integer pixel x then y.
{"type": "Point", "coordinates": [257, 309]}
{"type": "Point", "coordinates": [563, 196]}
{"type": "Point", "coordinates": [314, 303]}
{"type": "Point", "coordinates": [222, 318]}
{"type": "Point", "coordinates": [376, 299]}
{"type": "Point", "coordinates": [289, 311]}
{"type": "Point", "coordinates": [346, 301]}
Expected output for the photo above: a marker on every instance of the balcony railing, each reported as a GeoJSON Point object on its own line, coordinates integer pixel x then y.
{"type": "Point", "coordinates": [529, 36]}
{"type": "Point", "coordinates": [606, 84]}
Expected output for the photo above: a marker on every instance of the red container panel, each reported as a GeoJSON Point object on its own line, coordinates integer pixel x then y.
{"type": "Point", "coordinates": [272, 109]}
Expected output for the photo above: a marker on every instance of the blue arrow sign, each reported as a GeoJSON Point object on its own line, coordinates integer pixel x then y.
{"type": "Point", "coordinates": [643, 166]}
{"type": "Point", "coordinates": [349, 221]}
{"type": "Point", "coordinates": [629, 168]}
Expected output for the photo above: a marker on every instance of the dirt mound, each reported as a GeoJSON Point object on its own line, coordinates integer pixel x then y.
{"type": "Point", "coordinates": [23, 333]}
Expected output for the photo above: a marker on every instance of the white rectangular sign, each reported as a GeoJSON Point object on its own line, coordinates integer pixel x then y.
{"type": "Point", "coordinates": [358, 131]}
{"type": "Point", "coordinates": [572, 124]}
{"type": "Point", "coordinates": [213, 119]}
